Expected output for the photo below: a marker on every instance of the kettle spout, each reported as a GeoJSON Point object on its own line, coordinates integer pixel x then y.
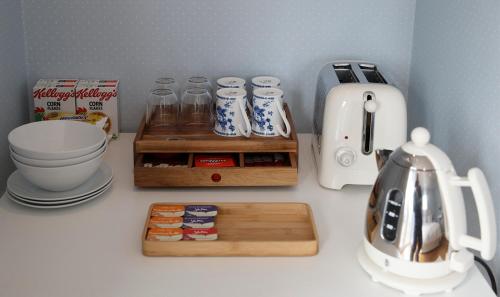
{"type": "Point", "coordinates": [382, 156]}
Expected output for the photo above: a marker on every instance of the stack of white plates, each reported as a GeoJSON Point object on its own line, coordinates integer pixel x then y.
{"type": "Point", "coordinates": [59, 163]}
{"type": "Point", "coordinates": [57, 155]}
{"type": "Point", "coordinates": [25, 193]}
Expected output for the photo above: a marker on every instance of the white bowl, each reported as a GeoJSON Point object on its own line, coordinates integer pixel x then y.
{"type": "Point", "coordinates": [59, 178]}
{"type": "Point", "coordinates": [56, 139]}
{"type": "Point", "coordinates": [57, 163]}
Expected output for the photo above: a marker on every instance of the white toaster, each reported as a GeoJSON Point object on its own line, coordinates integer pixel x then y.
{"type": "Point", "coordinates": [356, 112]}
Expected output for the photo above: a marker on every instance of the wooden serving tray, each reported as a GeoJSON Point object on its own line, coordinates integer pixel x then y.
{"type": "Point", "coordinates": [247, 229]}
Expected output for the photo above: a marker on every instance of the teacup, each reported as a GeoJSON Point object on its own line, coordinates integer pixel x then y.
{"type": "Point", "coordinates": [231, 118]}
{"type": "Point", "coordinates": [268, 113]}
{"type": "Point", "coordinates": [230, 82]}
{"type": "Point", "coordinates": [233, 82]}
{"type": "Point", "coordinates": [259, 82]}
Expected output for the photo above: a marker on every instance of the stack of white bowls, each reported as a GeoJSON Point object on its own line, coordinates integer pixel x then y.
{"type": "Point", "coordinates": [57, 155]}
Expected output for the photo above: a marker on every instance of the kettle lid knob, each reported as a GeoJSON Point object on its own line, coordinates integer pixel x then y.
{"type": "Point", "coordinates": [420, 136]}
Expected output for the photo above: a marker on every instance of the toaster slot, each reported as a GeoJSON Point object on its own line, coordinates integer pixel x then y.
{"type": "Point", "coordinates": [345, 74]}
{"type": "Point", "coordinates": [372, 74]}
{"type": "Point", "coordinates": [368, 123]}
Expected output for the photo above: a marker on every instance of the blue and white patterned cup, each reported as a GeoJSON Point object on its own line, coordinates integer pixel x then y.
{"type": "Point", "coordinates": [268, 113]}
{"type": "Point", "coordinates": [230, 82]}
{"type": "Point", "coordinates": [259, 82]}
{"type": "Point", "coordinates": [233, 82]}
{"type": "Point", "coordinates": [231, 118]}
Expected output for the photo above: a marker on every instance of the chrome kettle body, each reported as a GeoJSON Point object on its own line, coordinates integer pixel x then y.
{"type": "Point", "coordinates": [404, 217]}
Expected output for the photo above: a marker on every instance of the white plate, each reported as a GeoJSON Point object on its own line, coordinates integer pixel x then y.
{"type": "Point", "coordinates": [50, 201]}
{"type": "Point", "coordinates": [53, 202]}
{"type": "Point", "coordinates": [56, 205]}
{"type": "Point", "coordinates": [21, 187]}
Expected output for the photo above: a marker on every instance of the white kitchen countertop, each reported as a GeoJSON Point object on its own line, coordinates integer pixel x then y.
{"type": "Point", "coordinates": [95, 249]}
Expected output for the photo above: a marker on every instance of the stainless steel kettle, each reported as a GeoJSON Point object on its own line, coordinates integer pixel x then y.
{"type": "Point", "coordinates": [415, 219]}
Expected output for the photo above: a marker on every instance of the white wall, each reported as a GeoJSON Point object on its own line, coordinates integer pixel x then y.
{"type": "Point", "coordinates": [13, 94]}
{"type": "Point", "coordinates": [455, 86]}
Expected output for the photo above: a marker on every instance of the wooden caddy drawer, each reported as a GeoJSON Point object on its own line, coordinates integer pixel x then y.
{"type": "Point", "coordinates": [184, 174]}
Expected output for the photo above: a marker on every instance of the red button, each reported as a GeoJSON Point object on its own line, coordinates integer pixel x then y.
{"type": "Point", "coordinates": [216, 177]}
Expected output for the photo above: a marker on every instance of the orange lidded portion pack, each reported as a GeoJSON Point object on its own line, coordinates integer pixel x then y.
{"type": "Point", "coordinates": [164, 234]}
{"type": "Point", "coordinates": [165, 222]}
{"type": "Point", "coordinates": [167, 210]}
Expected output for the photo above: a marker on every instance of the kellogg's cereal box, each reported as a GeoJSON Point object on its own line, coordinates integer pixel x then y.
{"type": "Point", "coordinates": [54, 98]}
{"type": "Point", "coordinates": [97, 100]}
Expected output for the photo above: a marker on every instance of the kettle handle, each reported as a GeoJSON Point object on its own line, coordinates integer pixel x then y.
{"type": "Point", "coordinates": [486, 245]}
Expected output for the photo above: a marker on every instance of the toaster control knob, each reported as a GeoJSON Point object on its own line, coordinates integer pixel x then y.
{"type": "Point", "coordinates": [345, 156]}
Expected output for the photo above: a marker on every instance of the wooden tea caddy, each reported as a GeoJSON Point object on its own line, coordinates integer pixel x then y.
{"type": "Point", "coordinates": [180, 145]}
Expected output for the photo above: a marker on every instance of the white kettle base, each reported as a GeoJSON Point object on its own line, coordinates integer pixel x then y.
{"type": "Point", "coordinates": [410, 286]}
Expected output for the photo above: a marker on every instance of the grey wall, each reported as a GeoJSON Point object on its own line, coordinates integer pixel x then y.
{"type": "Point", "coordinates": [137, 41]}
{"type": "Point", "coordinates": [13, 92]}
{"type": "Point", "coordinates": [455, 86]}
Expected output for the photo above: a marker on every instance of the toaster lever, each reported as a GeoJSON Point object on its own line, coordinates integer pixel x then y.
{"type": "Point", "coordinates": [369, 108]}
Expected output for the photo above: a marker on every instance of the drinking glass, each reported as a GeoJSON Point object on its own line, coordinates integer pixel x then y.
{"type": "Point", "coordinates": [162, 108]}
{"type": "Point", "coordinates": [167, 83]}
{"type": "Point", "coordinates": [199, 82]}
{"type": "Point", "coordinates": [196, 106]}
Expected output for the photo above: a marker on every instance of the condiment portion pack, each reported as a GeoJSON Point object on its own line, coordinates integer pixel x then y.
{"type": "Point", "coordinates": [93, 101]}
{"type": "Point", "coordinates": [180, 222]}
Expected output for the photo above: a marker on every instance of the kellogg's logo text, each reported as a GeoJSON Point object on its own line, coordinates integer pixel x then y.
{"type": "Point", "coordinates": [53, 93]}
{"type": "Point", "coordinates": [96, 93]}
